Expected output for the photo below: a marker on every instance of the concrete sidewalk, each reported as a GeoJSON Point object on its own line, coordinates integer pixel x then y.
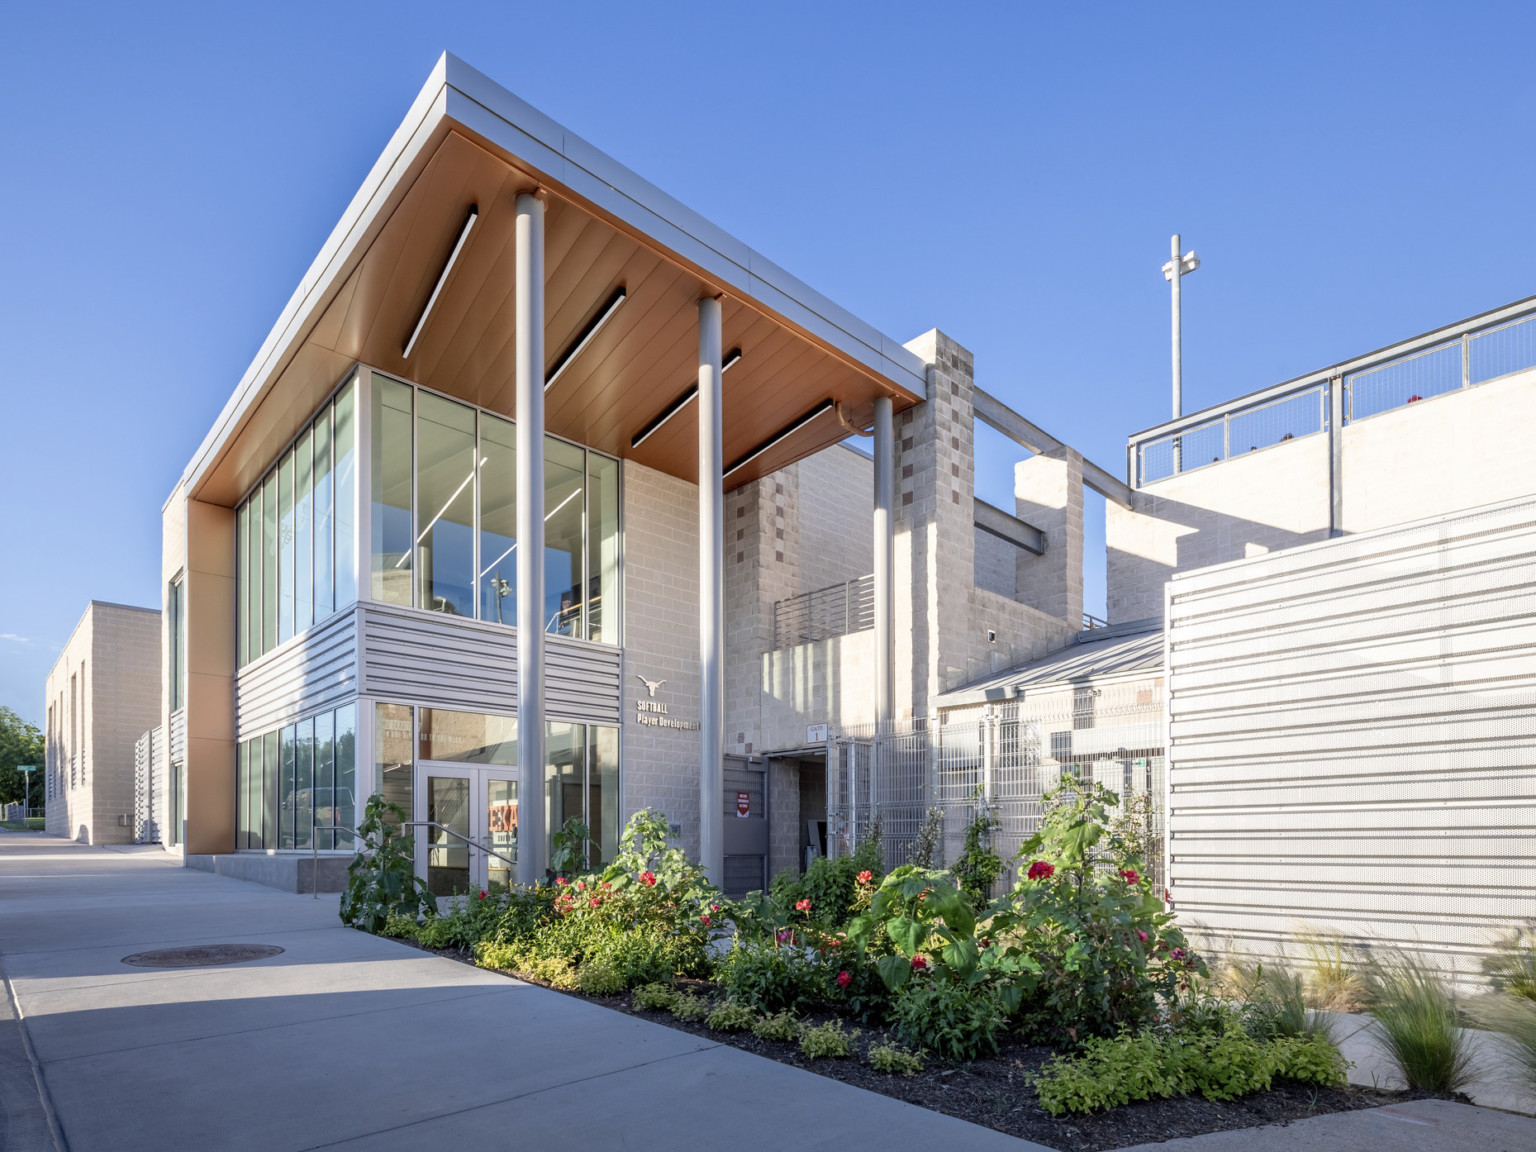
{"type": "Point", "coordinates": [346, 1040]}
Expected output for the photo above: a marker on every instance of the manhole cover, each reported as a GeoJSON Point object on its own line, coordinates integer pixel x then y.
{"type": "Point", "coordinates": [202, 955]}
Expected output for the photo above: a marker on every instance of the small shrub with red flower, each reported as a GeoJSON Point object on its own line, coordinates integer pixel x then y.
{"type": "Point", "coordinates": [833, 888]}
{"type": "Point", "coordinates": [1083, 910]}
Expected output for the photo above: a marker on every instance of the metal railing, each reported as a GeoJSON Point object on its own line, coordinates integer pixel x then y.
{"type": "Point", "coordinates": [314, 877]}
{"type": "Point", "coordinates": [1460, 356]}
{"type": "Point", "coordinates": [458, 836]}
{"type": "Point", "coordinates": [835, 610]}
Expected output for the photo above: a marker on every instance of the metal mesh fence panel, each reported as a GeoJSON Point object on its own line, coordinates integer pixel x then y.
{"type": "Point", "coordinates": [1500, 351]}
{"type": "Point", "coordinates": [1002, 757]}
{"type": "Point", "coordinates": [1399, 382]}
{"type": "Point", "coordinates": [1286, 419]}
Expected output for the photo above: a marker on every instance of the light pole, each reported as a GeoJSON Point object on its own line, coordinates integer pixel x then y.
{"type": "Point", "coordinates": [1174, 271]}
{"type": "Point", "coordinates": [26, 797]}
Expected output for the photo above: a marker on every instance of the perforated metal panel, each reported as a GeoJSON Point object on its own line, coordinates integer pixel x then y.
{"type": "Point", "coordinates": [1352, 739]}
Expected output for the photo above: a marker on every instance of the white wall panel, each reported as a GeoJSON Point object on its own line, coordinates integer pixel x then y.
{"type": "Point", "coordinates": [1352, 739]}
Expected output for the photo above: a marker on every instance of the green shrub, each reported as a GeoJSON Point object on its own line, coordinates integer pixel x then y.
{"type": "Point", "coordinates": [782, 1026]}
{"type": "Point", "coordinates": [1333, 980]}
{"type": "Point", "coordinates": [600, 978]}
{"type": "Point", "coordinates": [765, 977]}
{"type": "Point", "coordinates": [502, 956]}
{"type": "Point", "coordinates": [978, 867]}
{"type": "Point", "coordinates": [831, 886]}
{"type": "Point", "coordinates": [1107, 1073]}
{"type": "Point", "coordinates": [894, 1060]}
{"type": "Point", "coordinates": [655, 996]}
{"type": "Point", "coordinates": [730, 1016]}
{"type": "Point", "coordinates": [687, 1006]}
{"type": "Point", "coordinates": [381, 880]}
{"type": "Point", "coordinates": [827, 1041]}
{"type": "Point", "coordinates": [1418, 1023]}
{"type": "Point", "coordinates": [955, 1021]}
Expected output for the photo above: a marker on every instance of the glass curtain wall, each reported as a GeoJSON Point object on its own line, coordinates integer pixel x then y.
{"type": "Point", "coordinates": [581, 781]}
{"type": "Point", "coordinates": [296, 786]}
{"type": "Point", "coordinates": [444, 516]}
{"type": "Point", "coordinates": [294, 533]}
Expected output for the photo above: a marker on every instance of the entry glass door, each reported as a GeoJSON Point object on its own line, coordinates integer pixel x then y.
{"type": "Point", "coordinates": [471, 838]}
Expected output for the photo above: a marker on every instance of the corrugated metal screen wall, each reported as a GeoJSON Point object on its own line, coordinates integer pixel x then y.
{"type": "Point", "coordinates": [1352, 730]}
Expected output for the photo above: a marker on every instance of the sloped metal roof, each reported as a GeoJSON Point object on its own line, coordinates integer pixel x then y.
{"type": "Point", "coordinates": [1135, 646]}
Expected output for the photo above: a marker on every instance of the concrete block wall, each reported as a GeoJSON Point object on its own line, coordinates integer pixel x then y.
{"type": "Point", "coordinates": [114, 658]}
{"type": "Point", "coordinates": [836, 490]}
{"type": "Point", "coordinates": [1247, 506]}
{"type": "Point", "coordinates": [997, 564]}
{"type": "Point", "coordinates": [1048, 493]}
{"type": "Point", "coordinates": [661, 635]}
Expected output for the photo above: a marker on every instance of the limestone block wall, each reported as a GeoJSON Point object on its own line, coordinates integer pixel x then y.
{"type": "Point", "coordinates": [661, 642]}
{"type": "Point", "coordinates": [997, 563]}
{"type": "Point", "coordinates": [113, 658]}
{"type": "Point", "coordinates": [1048, 492]}
{"type": "Point", "coordinates": [836, 492]}
{"type": "Point", "coordinates": [1247, 506]}
{"type": "Point", "coordinates": [1445, 454]}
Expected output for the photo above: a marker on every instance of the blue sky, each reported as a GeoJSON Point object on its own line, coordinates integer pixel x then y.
{"type": "Point", "coordinates": [1351, 174]}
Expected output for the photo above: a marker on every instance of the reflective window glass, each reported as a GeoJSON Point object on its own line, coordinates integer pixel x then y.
{"type": "Point", "coordinates": [324, 514]}
{"type": "Point", "coordinates": [303, 783]}
{"type": "Point", "coordinates": [603, 793]}
{"type": "Point", "coordinates": [466, 737]}
{"type": "Point", "coordinates": [445, 494]}
{"type": "Point", "coordinates": [242, 607]}
{"type": "Point", "coordinates": [394, 764]}
{"type": "Point", "coordinates": [285, 548]}
{"type": "Point", "coordinates": [285, 770]}
{"type": "Point", "coordinates": [498, 520]}
{"type": "Point", "coordinates": [303, 533]}
{"type": "Point", "coordinates": [391, 497]}
{"type": "Point", "coordinates": [564, 514]}
{"type": "Point", "coordinates": [251, 579]}
{"type": "Point", "coordinates": [271, 791]}
{"type": "Point", "coordinates": [269, 563]}
{"type": "Point", "coordinates": [565, 776]}
{"type": "Point", "coordinates": [602, 548]}
{"type": "Point", "coordinates": [344, 798]}
{"type": "Point", "coordinates": [344, 457]}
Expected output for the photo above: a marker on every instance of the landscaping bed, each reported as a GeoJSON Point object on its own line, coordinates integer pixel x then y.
{"type": "Point", "coordinates": [995, 1093]}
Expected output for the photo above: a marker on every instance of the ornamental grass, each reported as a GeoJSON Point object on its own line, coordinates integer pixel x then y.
{"type": "Point", "coordinates": [1418, 1022]}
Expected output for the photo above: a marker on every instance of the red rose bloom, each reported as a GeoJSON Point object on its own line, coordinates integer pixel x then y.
{"type": "Point", "coordinates": [482, 893]}
{"type": "Point", "coordinates": [919, 962]}
{"type": "Point", "coordinates": [1130, 875]}
{"type": "Point", "coordinates": [843, 979]}
{"type": "Point", "coordinates": [561, 880]}
{"type": "Point", "coordinates": [594, 902]}
{"type": "Point", "coordinates": [648, 879]}
{"type": "Point", "coordinates": [803, 906]}
{"type": "Point", "coordinates": [704, 920]}
{"type": "Point", "coordinates": [714, 907]}
{"type": "Point", "coordinates": [1142, 934]}
{"type": "Point", "coordinates": [1040, 870]}
{"type": "Point", "coordinates": [866, 876]}
{"type": "Point", "coordinates": [581, 885]}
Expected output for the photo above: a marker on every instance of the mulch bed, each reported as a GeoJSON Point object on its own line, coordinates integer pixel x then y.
{"type": "Point", "coordinates": [995, 1092]}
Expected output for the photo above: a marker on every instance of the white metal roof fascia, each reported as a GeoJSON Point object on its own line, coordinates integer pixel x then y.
{"type": "Point", "coordinates": [482, 105]}
{"type": "Point", "coordinates": [329, 270]}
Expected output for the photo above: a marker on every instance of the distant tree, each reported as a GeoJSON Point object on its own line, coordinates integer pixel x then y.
{"type": "Point", "coordinates": [20, 743]}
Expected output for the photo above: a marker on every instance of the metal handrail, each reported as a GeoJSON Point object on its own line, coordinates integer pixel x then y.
{"type": "Point", "coordinates": [458, 836]}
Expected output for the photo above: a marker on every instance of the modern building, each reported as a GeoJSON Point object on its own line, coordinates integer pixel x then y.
{"type": "Point", "coordinates": [103, 691]}
{"type": "Point", "coordinates": [443, 542]}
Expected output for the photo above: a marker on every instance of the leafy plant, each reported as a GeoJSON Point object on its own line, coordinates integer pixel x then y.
{"type": "Point", "coordinates": [1512, 966]}
{"type": "Point", "coordinates": [1274, 999]}
{"type": "Point", "coordinates": [827, 896]}
{"type": "Point", "coordinates": [894, 1060]}
{"type": "Point", "coordinates": [655, 997]}
{"type": "Point", "coordinates": [1417, 1021]}
{"type": "Point", "coordinates": [687, 1006]}
{"type": "Point", "coordinates": [764, 976]}
{"type": "Point", "coordinates": [927, 846]}
{"type": "Point", "coordinates": [978, 867]}
{"type": "Point", "coordinates": [600, 978]}
{"type": "Point", "coordinates": [568, 848]}
{"type": "Point", "coordinates": [781, 1026]}
{"type": "Point", "coordinates": [953, 1020]}
{"type": "Point", "coordinates": [1109, 1072]}
{"type": "Point", "coordinates": [827, 1041]}
{"type": "Point", "coordinates": [382, 880]}
{"type": "Point", "coordinates": [1105, 949]}
{"type": "Point", "coordinates": [730, 1016]}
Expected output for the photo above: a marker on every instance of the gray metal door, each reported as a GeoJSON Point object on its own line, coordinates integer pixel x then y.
{"type": "Point", "coordinates": [746, 826]}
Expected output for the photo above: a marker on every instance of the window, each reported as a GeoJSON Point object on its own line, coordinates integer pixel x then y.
{"type": "Point", "coordinates": [444, 509]}
{"type": "Point", "coordinates": [467, 737]}
{"type": "Point", "coordinates": [296, 786]}
{"type": "Point", "coordinates": [581, 781]}
{"type": "Point", "coordinates": [394, 766]}
{"type": "Point", "coordinates": [294, 533]}
{"type": "Point", "coordinates": [178, 654]}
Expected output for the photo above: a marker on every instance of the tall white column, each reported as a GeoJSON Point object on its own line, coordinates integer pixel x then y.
{"type": "Point", "coordinates": [532, 852]}
{"type": "Point", "coordinates": [884, 526]}
{"type": "Point", "coordinates": [711, 598]}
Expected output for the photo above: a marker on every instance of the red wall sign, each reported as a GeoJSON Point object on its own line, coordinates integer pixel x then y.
{"type": "Point", "coordinates": [743, 804]}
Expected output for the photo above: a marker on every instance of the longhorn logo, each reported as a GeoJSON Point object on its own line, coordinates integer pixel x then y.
{"type": "Point", "coordinates": [651, 685]}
